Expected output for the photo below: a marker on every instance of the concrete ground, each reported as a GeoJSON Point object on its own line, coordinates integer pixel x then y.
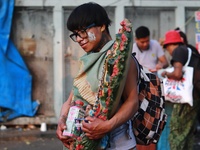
{"type": "Point", "coordinates": [31, 138]}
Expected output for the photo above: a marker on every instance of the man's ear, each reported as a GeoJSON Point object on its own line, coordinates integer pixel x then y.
{"type": "Point", "coordinates": [103, 28]}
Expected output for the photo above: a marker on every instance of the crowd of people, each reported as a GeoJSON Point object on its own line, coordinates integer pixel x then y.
{"type": "Point", "coordinates": [89, 24]}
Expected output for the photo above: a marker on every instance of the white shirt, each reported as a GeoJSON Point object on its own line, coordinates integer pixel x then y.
{"type": "Point", "coordinates": [148, 58]}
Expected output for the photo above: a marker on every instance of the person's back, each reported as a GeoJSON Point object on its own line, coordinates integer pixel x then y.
{"type": "Point", "coordinates": [195, 62]}
{"type": "Point", "coordinates": [148, 52]}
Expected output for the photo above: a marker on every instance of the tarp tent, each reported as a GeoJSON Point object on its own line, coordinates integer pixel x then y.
{"type": "Point", "coordinates": [15, 78]}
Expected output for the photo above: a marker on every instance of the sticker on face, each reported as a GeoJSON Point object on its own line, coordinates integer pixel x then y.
{"type": "Point", "coordinates": [91, 36]}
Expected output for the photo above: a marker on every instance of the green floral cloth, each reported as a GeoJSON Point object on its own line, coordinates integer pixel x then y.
{"type": "Point", "coordinates": [183, 125]}
{"type": "Point", "coordinates": [86, 83]}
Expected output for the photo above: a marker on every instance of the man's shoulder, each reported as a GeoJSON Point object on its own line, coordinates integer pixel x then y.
{"type": "Point", "coordinates": [135, 47]}
{"type": "Point", "coordinates": [181, 48]}
{"type": "Point", "coordinates": [154, 42]}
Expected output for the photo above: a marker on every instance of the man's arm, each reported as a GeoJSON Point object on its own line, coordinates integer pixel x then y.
{"type": "Point", "coordinates": [130, 95]}
{"type": "Point", "coordinates": [176, 74]}
{"type": "Point", "coordinates": [97, 128]}
{"type": "Point", "coordinates": [62, 122]}
{"type": "Point", "coordinates": [162, 62]}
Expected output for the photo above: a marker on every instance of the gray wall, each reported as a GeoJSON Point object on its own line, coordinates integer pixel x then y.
{"type": "Point", "coordinates": [32, 33]}
{"type": "Point", "coordinates": [40, 34]}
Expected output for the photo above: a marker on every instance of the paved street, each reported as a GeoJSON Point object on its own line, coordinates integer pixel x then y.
{"type": "Point", "coordinates": [29, 139]}
{"type": "Point", "coordinates": [33, 139]}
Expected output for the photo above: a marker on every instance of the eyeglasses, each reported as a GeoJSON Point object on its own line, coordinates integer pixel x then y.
{"type": "Point", "coordinates": [82, 33]}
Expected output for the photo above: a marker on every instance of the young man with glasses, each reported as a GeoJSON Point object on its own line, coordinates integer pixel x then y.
{"type": "Point", "coordinates": [89, 25]}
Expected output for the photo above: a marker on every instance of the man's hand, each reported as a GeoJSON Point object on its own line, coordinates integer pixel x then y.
{"type": "Point", "coordinates": [95, 128]}
{"type": "Point", "coordinates": [164, 74]}
{"type": "Point", "coordinates": [67, 141]}
{"type": "Point", "coordinates": [158, 67]}
{"type": "Point", "coordinates": [153, 70]}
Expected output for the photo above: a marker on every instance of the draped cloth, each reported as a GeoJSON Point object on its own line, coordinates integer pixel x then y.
{"type": "Point", "coordinates": [15, 78]}
{"type": "Point", "coordinates": [86, 83]}
{"type": "Point", "coordinates": [101, 80]}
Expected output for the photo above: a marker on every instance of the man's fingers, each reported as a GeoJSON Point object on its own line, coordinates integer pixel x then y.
{"type": "Point", "coordinates": [66, 145]}
{"type": "Point", "coordinates": [93, 137]}
{"type": "Point", "coordinates": [68, 142]}
{"type": "Point", "coordinates": [86, 125]}
{"type": "Point", "coordinates": [90, 119]}
{"type": "Point", "coordinates": [86, 130]}
{"type": "Point", "coordinates": [64, 127]}
{"type": "Point", "coordinates": [90, 136]}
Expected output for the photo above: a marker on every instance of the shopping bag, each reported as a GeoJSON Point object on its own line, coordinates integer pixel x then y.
{"type": "Point", "coordinates": [180, 91]}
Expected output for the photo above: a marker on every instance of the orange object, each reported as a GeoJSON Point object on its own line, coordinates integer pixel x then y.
{"type": "Point", "coordinates": [146, 147]}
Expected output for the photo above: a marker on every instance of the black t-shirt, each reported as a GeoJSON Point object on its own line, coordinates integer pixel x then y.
{"type": "Point", "coordinates": [180, 54]}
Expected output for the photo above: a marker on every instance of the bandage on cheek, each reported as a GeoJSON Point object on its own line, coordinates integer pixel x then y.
{"type": "Point", "coordinates": [91, 36]}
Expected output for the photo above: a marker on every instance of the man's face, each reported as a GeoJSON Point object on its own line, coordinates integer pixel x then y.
{"type": "Point", "coordinates": [89, 39]}
{"type": "Point", "coordinates": [170, 48]}
{"type": "Point", "coordinates": [143, 43]}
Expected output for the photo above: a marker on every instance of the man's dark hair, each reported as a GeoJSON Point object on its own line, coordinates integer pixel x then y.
{"type": "Point", "coordinates": [87, 14]}
{"type": "Point", "coordinates": [142, 32]}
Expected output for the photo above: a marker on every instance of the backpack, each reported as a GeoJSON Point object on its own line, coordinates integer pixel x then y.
{"type": "Point", "coordinates": [150, 119]}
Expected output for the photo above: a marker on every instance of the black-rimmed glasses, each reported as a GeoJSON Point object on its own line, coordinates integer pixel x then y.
{"type": "Point", "coordinates": [82, 33]}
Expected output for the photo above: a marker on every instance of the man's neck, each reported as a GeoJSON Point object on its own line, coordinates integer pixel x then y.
{"type": "Point", "coordinates": [142, 50]}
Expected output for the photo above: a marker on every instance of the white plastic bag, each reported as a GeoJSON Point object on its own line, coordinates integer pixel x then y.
{"type": "Point", "coordinates": [180, 91]}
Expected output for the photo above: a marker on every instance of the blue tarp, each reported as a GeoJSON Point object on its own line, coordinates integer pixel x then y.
{"type": "Point", "coordinates": [15, 78]}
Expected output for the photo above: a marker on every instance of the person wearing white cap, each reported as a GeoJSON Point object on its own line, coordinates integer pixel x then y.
{"type": "Point", "coordinates": [183, 116]}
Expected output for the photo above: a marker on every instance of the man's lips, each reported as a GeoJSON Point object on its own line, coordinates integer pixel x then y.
{"type": "Point", "coordinates": [83, 45]}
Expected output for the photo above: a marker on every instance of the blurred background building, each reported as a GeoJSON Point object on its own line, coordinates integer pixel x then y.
{"type": "Point", "coordinates": [39, 32]}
